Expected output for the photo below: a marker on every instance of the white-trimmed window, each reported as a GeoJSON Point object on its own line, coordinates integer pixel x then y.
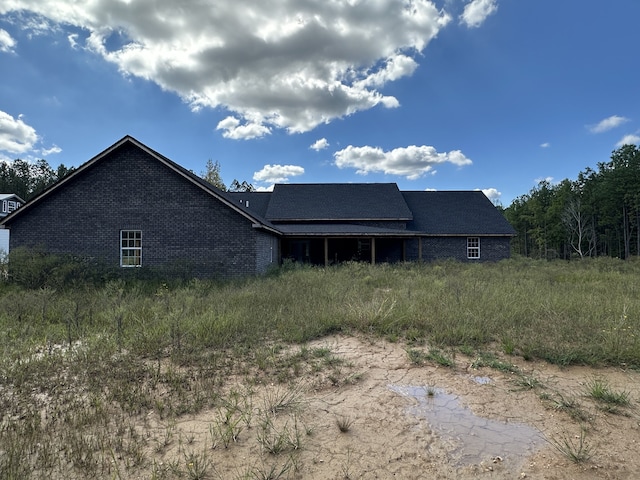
{"type": "Point", "coordinates": [11, 206]}
{"type": "Point", "coordinates": [473, 247]}
{"type": "Point", "coordinates": [4, 206]}
{"type": "Point", "coordinates": [130, 248]}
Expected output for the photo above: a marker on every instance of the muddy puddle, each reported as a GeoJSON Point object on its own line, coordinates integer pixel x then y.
{"type": "Point", "coordinates": [475, 439]}
{"type": "Point", "coordinates": [481, 380]}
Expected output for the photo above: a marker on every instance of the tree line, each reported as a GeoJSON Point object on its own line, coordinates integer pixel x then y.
{"type": "Point", "coordinates": [212, 175]}
{"type": "Point", "coordinates": [27, 179]}
{"type": "Point", "coordinates": [598, 214]}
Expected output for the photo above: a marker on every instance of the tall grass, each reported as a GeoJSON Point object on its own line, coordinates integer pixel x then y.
{"type": "Point", "coordinates": [79, 365]}
{"type": "Point", "coordinates": [578, 312]}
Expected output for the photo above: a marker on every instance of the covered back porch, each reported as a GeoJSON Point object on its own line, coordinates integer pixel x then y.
{"type": "Point", "coordinates": [332, 250]}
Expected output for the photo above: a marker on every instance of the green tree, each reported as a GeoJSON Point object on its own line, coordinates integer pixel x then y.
{"type": "Point", "coordinates": [519, 217]}
{"type": "Point", "coordinates": [579, 228]}
{"type": "Point", "coordinates": [212, 174]}
{"type": "Point", "coordinates": [245, 186]}
{"type": "Point", "coordinates": [27, 179]}
{"type": "Point", "coordinates": [543, 220]}
{"type": "Point", "coordinates": [597, 214]}
{"type": "Point", "coordinates": [618, 200]}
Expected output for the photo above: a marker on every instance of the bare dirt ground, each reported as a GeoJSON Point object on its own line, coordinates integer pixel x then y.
{"type": "Point", "coordinates": [428, 421]}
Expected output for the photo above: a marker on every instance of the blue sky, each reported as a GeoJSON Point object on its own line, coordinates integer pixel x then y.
{"type": "Point", "coordinates": [441, 95]}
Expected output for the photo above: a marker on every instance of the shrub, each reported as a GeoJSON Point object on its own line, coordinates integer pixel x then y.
{"type": "Point", "coordinates": [4, 264]}
{"type": "Point", "coordinates": [34, 268]}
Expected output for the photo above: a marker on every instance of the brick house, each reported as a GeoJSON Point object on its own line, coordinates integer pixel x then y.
{"type": "Point", "coordinates": [131, 206]}
{"type": "Point", "coordinates": [8, 203]}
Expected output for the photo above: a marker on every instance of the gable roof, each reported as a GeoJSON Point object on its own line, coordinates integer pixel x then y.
{"type": "Point", "coordinates": [336, 202]}
{"type": "Point", "coordinates": [129, 140]}
{"type": "Point", "coordinates": [445, 213]}
{"type": "Point", "coordinates": [7, 196]}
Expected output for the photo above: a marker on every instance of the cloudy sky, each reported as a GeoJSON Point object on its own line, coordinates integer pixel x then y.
{"type": "Point", "coordinates": [442, 94]}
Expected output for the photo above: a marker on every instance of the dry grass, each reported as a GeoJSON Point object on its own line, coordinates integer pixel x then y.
{"type": "Point", "coordinates": [81, 368]}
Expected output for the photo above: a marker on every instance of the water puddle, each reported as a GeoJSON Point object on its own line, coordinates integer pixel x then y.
{"type": "Point", "coordinates": [477, 438]}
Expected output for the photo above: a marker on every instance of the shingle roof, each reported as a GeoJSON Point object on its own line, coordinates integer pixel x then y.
{"type": "Point", "coordinates": [431, 213]}
{"type": "Point", "coordinates": [339, 229]}
{"type": "Point", "coordinates": [337, 202]}
{"type": "Point", "coordinates": [455, 213]}
{"type": "Point", "coordinates": [256, 202]}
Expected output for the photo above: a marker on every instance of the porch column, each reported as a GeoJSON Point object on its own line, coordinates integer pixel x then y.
{"type": "Point", "coordinates": [373, 250]}
{"type": "Point", "coordinates": [420, 249]}
{"type": "Point", "coordinates": [404, 250]}
{"type": "Point", "coordinates": [326, 252]}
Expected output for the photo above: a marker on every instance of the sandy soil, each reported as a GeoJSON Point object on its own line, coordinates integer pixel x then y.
{"type": "Point", "coordinates": [427, 421]}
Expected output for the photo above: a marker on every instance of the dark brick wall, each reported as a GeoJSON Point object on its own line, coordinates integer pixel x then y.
{"type": "Point", "coordinates": [182, 226]}
{"type": "Point", "coordinates": [492, 249]}
{"type": "Point", "coordinates": [267, 251]}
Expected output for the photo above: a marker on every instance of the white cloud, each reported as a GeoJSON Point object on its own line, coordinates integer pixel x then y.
{"type": "Point", "coordinates": [282, 64]}
{"type": "Point", "coordinates": [549, 180]}
{"type": "Point", "coordinates": [476, 12]}
{"type": "Point", "coordinates": [73, 40]}
{"type": "Point", "coordinates": [232, 129]}
{"type": "Point", "coordinates": [545, 145]}
{"type": "Point", "coordinates": [320, 144]}
{"type": "Point", "coordinates": [630, 139]}
{"type": "Point", "coordinates": [277, 173]}
{"type": "Point", "coordinates": [50, 151]}
{"type": "Point", "coordinates": [7, 43]}
{"type": "Point", "coordinates": [28, 20]}
{"type": "Point", "coordinates": [395, 67]}
{"type": "Point", "coordinates": [16, 137]}
{"type": "Point", "coordinates": [492, 194]}
{"type": "Point", "coordinates": [411, 162]}
{"type": "Point", "coordinates": [607, 124]}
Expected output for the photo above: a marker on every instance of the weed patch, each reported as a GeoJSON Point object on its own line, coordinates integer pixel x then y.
{"type": "Point", "coordinates": [578, 450]}
{"type": "Point", "coordinates": [85, 357]}
{"type": "Point", "coordinates": [599, 389]}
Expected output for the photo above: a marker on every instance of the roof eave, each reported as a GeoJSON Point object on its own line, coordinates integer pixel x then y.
{"type": "Point", "coordinates": [339, 220]}
{"type": "Point", "coordinates": [262, 226]}
{"type": "Point", "coordinates": [7, 196]}
{"type": "Point", "coordinates": [475, 234]}
{"type": "Point", "coordinates": [351, 234]}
